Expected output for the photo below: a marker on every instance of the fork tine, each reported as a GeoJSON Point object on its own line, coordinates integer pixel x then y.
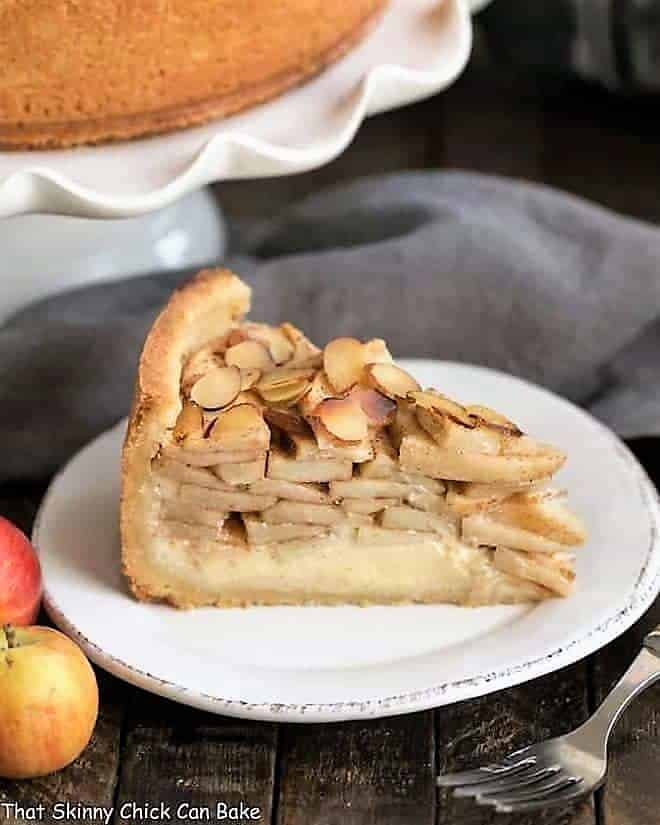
{"type": "Point", "coordinates": [564, 796]}
{"type": "Point", "coordinates": [508, 783]}
{"type": "Point", "coordinates": [540, 790]}
{"type": "Point", "coordinates": [484, 774]}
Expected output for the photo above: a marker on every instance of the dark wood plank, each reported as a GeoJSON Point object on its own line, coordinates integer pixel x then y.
{"type": "Point", "coordinates": [177, 756]}
{"type": "Point", "coordinates": [632, 793]}
{"type": "Point", "coordinates": [483, 730]}
{"type": "Point", "coordinates": [358, 773]}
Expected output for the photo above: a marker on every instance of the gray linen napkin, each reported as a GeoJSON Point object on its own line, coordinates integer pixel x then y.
{"type": "Point", "coordinates": [448, 265]}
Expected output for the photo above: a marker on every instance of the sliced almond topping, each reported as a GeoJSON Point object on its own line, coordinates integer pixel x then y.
{"type": "Point", "coordinates": [319, 391]}
{"type": "Point", "coordinates": [240, 428]}
{"type": "Point", "coordinates": [249, 355]}
{"type": "Point", "coordinates": [379, 409]}
{"type": "Point", "coordinates": [190, 422]}
{"type": "Point", "coordinates": [235, 336]}
{"type": "Point", "coordinates": [200, 362]}
{"type": "Point", "coordinates": [274, 338]}
{"type": "Point", "coordinates": [343, 361]}
{"type": "Point", "coordinates": [285, 376]}
{"type": "Point", "coordinates": [376, 352]}
{"type": "Point", "coordinates": [217, 389]}
{"type": "Point", "coordinates": [304, 352]}
{"type": "Point", "coordinates": [343, 418]}
{"type": "Point", "coordinates": [285, 385]}
{"type": "Point", "coordinates": [286, 420]}
{"type": "Point", "coordinates": [391, 380]}
{"type": "Point", "coordinates": [249, 377]}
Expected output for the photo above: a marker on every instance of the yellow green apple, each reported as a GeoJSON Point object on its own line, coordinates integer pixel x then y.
{"type": "Point", "coordinates": [49, 701]}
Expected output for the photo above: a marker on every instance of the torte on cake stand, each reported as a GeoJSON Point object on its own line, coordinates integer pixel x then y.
{"type": "Point", "coordinates": [418, 49]}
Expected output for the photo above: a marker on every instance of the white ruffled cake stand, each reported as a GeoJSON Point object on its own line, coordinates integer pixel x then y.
{"type": "Point", "coordinates": [418, 49]}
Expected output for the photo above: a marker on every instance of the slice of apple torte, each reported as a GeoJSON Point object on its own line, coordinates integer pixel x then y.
{"type": "Point", "coordinates": [259, 469]}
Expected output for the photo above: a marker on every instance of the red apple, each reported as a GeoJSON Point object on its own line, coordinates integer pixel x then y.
{"type": "Point", "coordinates": [49, 701]}
{"type": "Point", "coordinates": [20, 577]}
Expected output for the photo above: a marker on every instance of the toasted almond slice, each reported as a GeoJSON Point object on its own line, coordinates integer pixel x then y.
{"type": "Point", "coordinates": [284, 376]}
{"type": "Point", "coordinates": [376, 352]}
{"type": "Point", "coordinates": [298, 512]}
{"type": "Point", "coordinates": [343, 418]}
{"type": "Point", "coordinates": [367, 505]}
{"type": "Point", "coordinates": [379, 409]}
{"type": "Point", "coordinates": [200, 362]}
{"type": "Point", "coordinates": [249, 355]}
{"type": "Point", "coordinates": [304, 352]}
{"type": "Point", "coordinates": [249, 377]}
{"type": "Point", "coordinates": [289, 491]}
{"type": "Point", "coordinates": [235, 336]}
{"type": "Point", "coordinates": [285, 385]}
{"type": "Point", "coordinates": [391, 380]}
{"type": "Point", "coordinates": [343, 362]}
{"type": "Point", "coordinates": [189, 422]}
{"type": "Point", "coordinates": [274, 338]}
{"type": "Point", "coordinates": [217, 389]}
{"type": "Point", "coordinates": [286, 420]}
{"type": "Point", "coordinates": [287, 395]}
{"type": "Point", "coordinates": [319, 391]}
{"type": "Point", "coordinates": [240, 428]}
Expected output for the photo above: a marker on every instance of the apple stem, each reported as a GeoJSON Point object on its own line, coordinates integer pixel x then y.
{"type": "Point", "coordinates": [10, 635]}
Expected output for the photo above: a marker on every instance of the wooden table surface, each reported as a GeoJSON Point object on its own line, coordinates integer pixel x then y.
{"type": "Point", "coordinates": [150, 751]}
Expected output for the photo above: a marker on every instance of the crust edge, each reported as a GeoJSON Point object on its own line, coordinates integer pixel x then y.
{"type": "Point", "coordinates": [194, 314]}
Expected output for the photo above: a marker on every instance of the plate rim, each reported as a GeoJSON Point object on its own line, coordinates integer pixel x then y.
{"type": "Point", "coordinates": [635, 604]}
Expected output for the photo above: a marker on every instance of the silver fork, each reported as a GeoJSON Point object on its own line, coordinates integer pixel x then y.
{"type": "Point", "coordinates": [561, 770]}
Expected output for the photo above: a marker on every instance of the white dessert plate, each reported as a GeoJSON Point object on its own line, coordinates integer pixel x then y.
{"type": "Point", "coordinates": [418, 48]}
{"type": "Point", "coordinates": [312, 664]}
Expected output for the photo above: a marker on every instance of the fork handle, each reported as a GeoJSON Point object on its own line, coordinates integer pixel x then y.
{"type": "Point", "coordinates": [643, 672]}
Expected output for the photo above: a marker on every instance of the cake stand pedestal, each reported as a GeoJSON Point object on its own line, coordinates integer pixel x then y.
{"type": "Point", "coordinates": [418, 49]}
{"type": "Point", "coordinates": [45, 254]}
